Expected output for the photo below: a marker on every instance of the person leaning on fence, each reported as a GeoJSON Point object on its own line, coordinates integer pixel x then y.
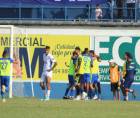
{"type": "Point", "coordinates": [98, 12]}
{"type": "Point", "coordinates": [131, 4]}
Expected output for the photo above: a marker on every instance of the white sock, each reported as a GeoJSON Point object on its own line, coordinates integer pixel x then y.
{"type": "Point", "coordinates": [48, 93]}
{"type": "Point", "coordinates": [45, 94]}
{"type": "Point", "coordinates": [127, 97]}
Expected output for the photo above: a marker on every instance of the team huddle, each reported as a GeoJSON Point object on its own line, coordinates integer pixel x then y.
{"type": "Point", "coordinates": [83, 75]}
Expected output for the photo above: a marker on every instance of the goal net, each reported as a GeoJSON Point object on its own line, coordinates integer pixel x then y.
{"type": "Point", "coordinates": [10, 38]}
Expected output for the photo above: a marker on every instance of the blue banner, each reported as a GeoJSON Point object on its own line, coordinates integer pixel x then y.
{"type": "Point", "coordinates": [52, 2]}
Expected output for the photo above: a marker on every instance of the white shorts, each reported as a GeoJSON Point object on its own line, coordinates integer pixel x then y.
{"type": "Point", "coordinates": [45, 75]}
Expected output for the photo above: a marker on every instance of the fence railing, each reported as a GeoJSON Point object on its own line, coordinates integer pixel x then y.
{"type": "Point", "coordinates": [69, 13]}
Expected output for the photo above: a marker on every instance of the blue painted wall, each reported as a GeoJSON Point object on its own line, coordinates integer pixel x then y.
{"type": "Point", "coordinates": [58, 90]}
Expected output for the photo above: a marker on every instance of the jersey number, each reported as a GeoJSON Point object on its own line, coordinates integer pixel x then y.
{"type": "Point", "coordinates": [4, 66]}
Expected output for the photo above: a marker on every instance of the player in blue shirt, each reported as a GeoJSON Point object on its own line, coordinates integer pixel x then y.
{"type": "Point", "coordinates": [129, 71]}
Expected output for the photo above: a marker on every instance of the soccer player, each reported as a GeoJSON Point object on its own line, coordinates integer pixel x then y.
{"type": "Point", "coordinates": [87, 68]}
{"type": "Point", "coordinates": [49, 65]}
{"type": "Point", "coordinates": [95, 82]}
{"type": "Point", "coordinates": [129, 71]}
{"type": "Point", "coordinates": [71, 77]}
{"type": "Point", "coordinates": [114, 79]}
{"type": "Point", "coordinates": [5, 65]}
{"type": "Point", "coordinates": [79, 72]}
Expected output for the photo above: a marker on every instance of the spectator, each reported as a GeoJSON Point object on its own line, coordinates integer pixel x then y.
{"type": "Point", "coordinates": [59, 14]}
{"type": "Point", "coordinates": [98, 12]}
{"type": "Point", "coordinates": [119, 4]}
{"type": "Point", "coordinates": [109, 11]}
{"type": "Point", "coordinates": [131, 4]}
{"type": "Point", "coordinates": [84, 14]}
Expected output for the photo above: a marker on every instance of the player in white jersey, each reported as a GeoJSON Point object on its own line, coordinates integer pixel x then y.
{"type": "Point", "coordinates": [49, 64]}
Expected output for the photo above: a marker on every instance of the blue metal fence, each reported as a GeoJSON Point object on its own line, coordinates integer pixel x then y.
{"type": "Point", "coordinates": [68, 13]}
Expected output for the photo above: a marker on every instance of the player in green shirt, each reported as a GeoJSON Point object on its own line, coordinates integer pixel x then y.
{"type": "Point", "coordinates": [71, 77]}
{"type": "Point", "coordinates": [5, 67]}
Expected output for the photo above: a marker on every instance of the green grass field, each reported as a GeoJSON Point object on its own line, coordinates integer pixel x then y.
{"type": "Point", "coordinates": [33, 108]}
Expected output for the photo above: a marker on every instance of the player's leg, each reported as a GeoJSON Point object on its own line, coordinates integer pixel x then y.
{"type": "Point", "coordinates": [68, 88]}
{"type": "Point", "coordinates": [72, 87]}
{"type": "Point", "coordinates": [2, 87]}
{"type": "Point", "coordinates": [99, 88]}
{"type": "Point", "coordinates": [113, 91]}
{"type": "Point", "coordinates": [43, 85]}
{"type": "Point", "coordinates": [122, 88]}
{"type": "Point", "coordinates": [81, 87]}
{"type": "Point", "coordinates": [95, 80]}
{"type": "Point", "coordinates": [118, 90]}
{"type": "Point", "coordinates": [118, 95]}
{"type": "Point", "coordinates": [87, 85]}
{"type": "Point", "coordinates": [48, 83]}
{"type": "Point", "coordinates": [129, 90]}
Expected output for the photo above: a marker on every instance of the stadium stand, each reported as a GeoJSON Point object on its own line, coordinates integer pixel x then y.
{"type": "Point", "coordinates": [41, 10]}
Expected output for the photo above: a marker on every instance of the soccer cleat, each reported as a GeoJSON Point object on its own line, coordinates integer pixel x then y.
{"type": "Point", "coordinates": [99, 99]}
{"type": "Point", "coordinates": [46, 98]}
{"type": "Point", "coordinates": [71, 97]}
{"type": "Point", "coordinates": [41, 99]}
{"type": "Point", "coordinates": [84, 95]}
{"type": "Point", "coordinates": [86, 98]}
{"type": "Point", "coordinates": [3, 100]}
{"type": "Point", "coordinates": [78, 97]}
{"type": "Point", "coordinates": [3, 88]}
{"type": "Point", "coordinates": [65, 97]}
{"type": "Point", "coordinates": [95, 97]}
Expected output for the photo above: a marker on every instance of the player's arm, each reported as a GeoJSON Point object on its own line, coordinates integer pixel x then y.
{"type": "Point", "coordinates": [119, 75]}
{"type": "Point", "coordinates": [78, 64]}
{"type": "Point", "coordinates": [54, 63]}
{"type": "Point", "coordinates": [124, 71]}
{"type": "Point", "coordinates": [11, 60]}
{"type": "Point", "coordinates": [66, 64]}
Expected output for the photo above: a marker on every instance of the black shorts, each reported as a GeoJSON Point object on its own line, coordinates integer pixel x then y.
{"type": "Point", "coordinates": [114, 87]}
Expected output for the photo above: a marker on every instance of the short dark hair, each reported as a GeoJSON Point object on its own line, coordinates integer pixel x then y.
{"type": "Point", "coordinates": [86, 50]}
{"type": "Point", "coordinates": [4, 53]}
{"type": "Point", "coordinates": [92, 51]}
{"type": "Point", "coordinates": [128, 54]}
{"type": "Point", "coordinates": [74, 53]}
{"type": "Point", "coordinates": [47, 47]}
{"type": "Point", "coordinates": [77, 48]}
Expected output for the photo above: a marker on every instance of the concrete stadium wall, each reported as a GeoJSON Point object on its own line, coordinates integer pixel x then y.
{"type": "Point", "coordinates": [102, 33]}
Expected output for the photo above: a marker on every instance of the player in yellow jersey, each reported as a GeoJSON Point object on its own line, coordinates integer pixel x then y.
{"type": "Point", "coordinates": [87, 68]}
{"type": "Point", "coordinates": [95, 82]}
{"type": "Point", "coordinates": [5, 65]}
{"type": "Point", "coordinates": [114, 79]}
{"type": "Point", "coordinates": [79, 72]}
